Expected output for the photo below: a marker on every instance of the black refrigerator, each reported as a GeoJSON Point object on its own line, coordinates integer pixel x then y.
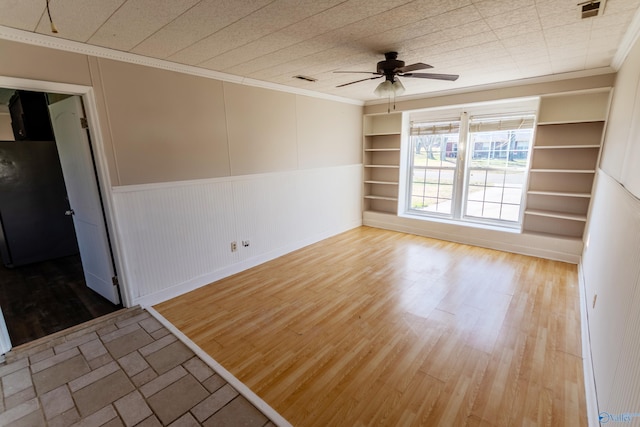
{"type": "Point", "coordinates": [33, 203]}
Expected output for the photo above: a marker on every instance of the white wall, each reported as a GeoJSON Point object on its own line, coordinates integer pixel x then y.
{"type": "Point", "coordinates": [611, 268]}
{"type": "Point", "coordinates": [176, 236]}
{"type": "Point", "coordinates": [623, 117]}
{"type": "Point", "coordinates": [611, 259]}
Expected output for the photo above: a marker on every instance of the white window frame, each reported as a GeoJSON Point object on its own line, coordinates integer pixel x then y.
{"type": "Point", "coordinates": [463, 113]}
{"type": "Point", "coordinates": [411, 167]}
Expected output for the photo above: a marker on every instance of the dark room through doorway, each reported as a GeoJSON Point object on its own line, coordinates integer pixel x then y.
{"type": "Point", "coordinates": [52, 229]}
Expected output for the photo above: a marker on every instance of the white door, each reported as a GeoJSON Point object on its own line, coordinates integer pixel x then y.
{"type": "Point", "coordinates": [82, 189]}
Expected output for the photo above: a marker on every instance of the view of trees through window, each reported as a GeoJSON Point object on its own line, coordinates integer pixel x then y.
{"type": "Point", "coordinates": [434, 172]}
{"type": "Point", "coordinates": [492, 169]}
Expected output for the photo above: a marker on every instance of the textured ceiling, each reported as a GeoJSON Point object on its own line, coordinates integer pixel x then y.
{"type": "Point", "coordinates": [485, 41]}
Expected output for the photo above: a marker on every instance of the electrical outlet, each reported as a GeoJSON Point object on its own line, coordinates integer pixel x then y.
{"type": "Point", "coordinates": [245, 243]}
{"type": "Point", "coordinates": [234, 246]}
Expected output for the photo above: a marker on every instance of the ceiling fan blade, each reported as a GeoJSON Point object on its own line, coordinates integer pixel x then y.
{"type": "Point", "coordinates": [413, 67]}
{"type": "Point", "coordinates": [450, 77]}
{"type": "Point", "coordinates": [358, 81]}
{"type": "Point", "coordinates": [359, 72]}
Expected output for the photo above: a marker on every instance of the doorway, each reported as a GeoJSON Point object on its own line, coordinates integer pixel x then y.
{"type": "Point", "coordinates": [66, 265]}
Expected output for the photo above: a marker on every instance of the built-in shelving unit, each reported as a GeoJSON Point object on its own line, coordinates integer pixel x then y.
{"type": "Point", "coordinates": [564, 162]}
{"type": "Point", "coordinates": [381, 158]}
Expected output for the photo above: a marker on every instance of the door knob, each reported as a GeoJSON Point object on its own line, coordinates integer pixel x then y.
{"type": "Point", "coordinates": [69, 212]}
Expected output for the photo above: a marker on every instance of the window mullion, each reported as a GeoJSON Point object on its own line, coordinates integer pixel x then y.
{"type": "Point", "coordinates": [460, 189]}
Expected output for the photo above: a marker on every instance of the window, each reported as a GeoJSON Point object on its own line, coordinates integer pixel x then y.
{"type": "Point", "coordinates": [433, 177]}
{"type": "Point", "coordinates": [470, 168]}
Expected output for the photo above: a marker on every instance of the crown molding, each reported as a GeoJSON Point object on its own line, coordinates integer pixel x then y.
{"type": "Point", "coordinates": [51, 42]}
{"type": "Point", "coordinates": [500, 85]}
{"type": "Point", "coordinates": [628, 40]}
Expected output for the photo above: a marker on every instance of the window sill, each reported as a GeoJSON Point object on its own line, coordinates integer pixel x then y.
{"type": "Point", "coordinates": [464, 223]}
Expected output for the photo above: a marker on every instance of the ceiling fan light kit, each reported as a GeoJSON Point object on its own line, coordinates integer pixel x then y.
{"type": "Point", "coordinates": [388, 88]}
{"type": "Point", "coordinates": [392, 68]}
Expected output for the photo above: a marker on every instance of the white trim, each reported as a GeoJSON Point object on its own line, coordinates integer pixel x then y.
{"type": "Point", "coordinates": [50, 42]}
{"type": "Point", "coordinates": [591, 395]}
{"type": "Point", "coordinates": [134, 188]}
{"type": "Point", "coordinates": [245, 391]}
{"type": "Point", "coordinates": [5, 340]}
{"type": "Point", "coordinates": [554, 248]}
{"type": "Point", "coordinates": [89, 102]}
{"type": "Point", "coordinates": [628, 40]}
{"type": "Point", "coordinates": [102, 166]}
{"type": "Point", "coordinates": [42, 86]}
{"type": "Point", "coordinates": [198, 282]}
{"type": "Point", "coordinates": [577, 92]}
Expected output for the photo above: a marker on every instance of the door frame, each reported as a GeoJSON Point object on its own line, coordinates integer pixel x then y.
{"type": "Point", "coordinates": [87, 94]}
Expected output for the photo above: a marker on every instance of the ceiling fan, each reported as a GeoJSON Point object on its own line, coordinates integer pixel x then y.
{"type": "Point", "coordinates": [391, 68]}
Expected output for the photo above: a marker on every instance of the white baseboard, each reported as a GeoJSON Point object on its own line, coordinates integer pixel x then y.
{"type": "Point", "coordinates": [548, 247]}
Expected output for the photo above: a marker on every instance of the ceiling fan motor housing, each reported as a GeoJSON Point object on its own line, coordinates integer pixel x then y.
{"type": "Point", "coordinates": [389, 65]}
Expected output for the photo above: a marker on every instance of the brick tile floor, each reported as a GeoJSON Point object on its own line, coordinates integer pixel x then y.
{"type": "Point", "coordinates": [124, 369]}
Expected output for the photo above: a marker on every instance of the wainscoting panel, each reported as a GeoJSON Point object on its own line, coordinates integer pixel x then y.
{"type": "Point", "coordinates": [625, 395]}
{"type": "Point", "coordinates": [173, 234]}
{"type": "Point", "coordinates": [269, 218]}
{"type": "Point", "coordinates": [176, 237]}
{"type": "Point", "coordinates": [611, 265]}
{"type": "Point", "coordinates": [307, 203]}
{"type": "Point", "coordinates": [326, 198]}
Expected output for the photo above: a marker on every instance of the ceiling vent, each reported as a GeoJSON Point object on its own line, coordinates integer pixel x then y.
{"type": "Point", "coordinates": [306, 78]}
{"type": "Point", "coordinates": [591, 8]}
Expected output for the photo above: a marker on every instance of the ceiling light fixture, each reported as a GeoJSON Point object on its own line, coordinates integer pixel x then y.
{"type": "Point", "coordinates": [389, 88]}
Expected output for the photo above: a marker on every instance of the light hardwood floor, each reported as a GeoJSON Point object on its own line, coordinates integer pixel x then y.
{"type": "Point", "coordinates": [373, 327]}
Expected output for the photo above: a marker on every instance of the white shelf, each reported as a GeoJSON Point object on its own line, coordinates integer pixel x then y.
{"type": "Point", "coordinates": [562, 147]}
{"type": "Point", "coordinates": [553, 236]}
{"type": "Point", "coordinates": [382, 134]}
{"type": "Point", "coordinates": [569, 122]}
{"type": "Point", "coordinates": [382, 149]}
{"type": "Point", "coordinates": [559, 215]}
{"type": "Point", "coordinates": [383, 166]}
{"type": "Point", "coordinates": [563, 170]}
{"type": "Point", "coordinates": [382, 182]}
{"type": "Point", "coordinates": [371, 196]}
{"type": "Point", "coordinates": [559, 193]}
